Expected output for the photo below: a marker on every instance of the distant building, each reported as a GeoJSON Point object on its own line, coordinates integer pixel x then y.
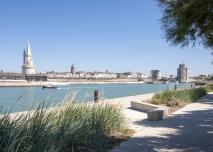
{"type": "Point", "coordinates": [73, 69]}
{"type": "Point", "coordinates": [81, 74]}
{"type": "Point", "coordinates": [203, 77]}
{"type": "Point", "coordinates": [104, 75]}
{"type": "Point", "coordinates": [36, 77]}
{"type": "Point", "coordinates": [10, 76]}
{"type": "Point", "coordinates": [155, 75]}
{"type": "Point", "coordinates": [182, 73]}
{"type": "Point", "coordinates": [121, 76]}
{"type": "Point", "coordinates": [127, 75]}
{"type": "Point", "coordinates": [131, 75]}
{"type": "Point", "coordinates": [27, 67]}
{"type": "Point", "coordinates": [142, 76]}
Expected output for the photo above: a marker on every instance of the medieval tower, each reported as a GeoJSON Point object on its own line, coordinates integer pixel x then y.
{"type": "Point", "coordinates": [27, 67]}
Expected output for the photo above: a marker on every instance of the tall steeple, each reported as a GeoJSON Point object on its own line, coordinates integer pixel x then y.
{"type": "Point", "coordinates": [27, 67]}
{"type": "Point", "coordinates": [28, 61]}
{"type": "Point", "coordinates": [28, 50]}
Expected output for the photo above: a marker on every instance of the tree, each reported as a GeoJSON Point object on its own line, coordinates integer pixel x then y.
{"type": "Point", "coordinates": [187, 22]}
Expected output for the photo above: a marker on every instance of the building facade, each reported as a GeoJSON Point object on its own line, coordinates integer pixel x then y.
{"type": "Point", "coordinates": [10, 76]}
{"type": "Point", "coordinates": [28, 68]}
{"type": "Point", "coordinates": [182, 73]}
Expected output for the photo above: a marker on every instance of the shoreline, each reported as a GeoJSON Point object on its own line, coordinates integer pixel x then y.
{"type": "Point", "coordinates": [23, 83]}
{"type": "Point", "coordinates": [123, 102]}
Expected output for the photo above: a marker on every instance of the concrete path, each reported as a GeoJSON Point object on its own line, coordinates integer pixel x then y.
{"type": "Point", "coordinates": [188, 130]}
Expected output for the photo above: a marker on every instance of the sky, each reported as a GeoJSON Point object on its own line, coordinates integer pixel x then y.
{"type": "Point", "coordinates": [118, 35]}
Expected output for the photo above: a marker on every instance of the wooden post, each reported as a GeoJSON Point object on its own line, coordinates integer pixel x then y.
{"type": "Point", "coordinates": [96, 96]}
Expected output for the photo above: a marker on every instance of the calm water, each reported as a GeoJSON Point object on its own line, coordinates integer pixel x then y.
{"type": "Point", "coordinates": [25, 98]}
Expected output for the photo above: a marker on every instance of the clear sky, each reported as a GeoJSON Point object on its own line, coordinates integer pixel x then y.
{"type": "Point", "coordinates": [118, 35]}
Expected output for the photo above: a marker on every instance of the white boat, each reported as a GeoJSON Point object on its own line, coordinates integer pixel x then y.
{"type": "Point", "coordinates": [49, 87]}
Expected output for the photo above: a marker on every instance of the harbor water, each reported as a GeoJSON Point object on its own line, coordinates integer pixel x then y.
{"type": "Point", "coordinates": [15, 99]}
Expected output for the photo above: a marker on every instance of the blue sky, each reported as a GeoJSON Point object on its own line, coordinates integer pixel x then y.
{"type": "Point", "coordinates": [118, 35]}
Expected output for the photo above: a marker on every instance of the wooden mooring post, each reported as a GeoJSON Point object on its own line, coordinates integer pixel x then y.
{"type": "Point", "coordinates": [96, 96]}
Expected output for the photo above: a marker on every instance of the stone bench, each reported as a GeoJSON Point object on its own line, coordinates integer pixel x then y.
{"type": "Point", "coordinates": [158, 114]}
{"type": "Point", "coordinates": [154, 112]}
{"type": "Point", "coordinates": [143, 106]}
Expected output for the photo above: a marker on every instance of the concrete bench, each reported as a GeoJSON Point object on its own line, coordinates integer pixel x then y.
{"type": "Point", "coordinates": [154, 112]}
{"type": "Point", "coordinates": [158, 114]}
{"type": "Point", "coordinates": [143, 106]}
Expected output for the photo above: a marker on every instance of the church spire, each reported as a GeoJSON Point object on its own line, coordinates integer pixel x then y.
{"type": "Point", "coordinates": [28, 49]}
{"type": "Point", "coordinates": [27, 67]}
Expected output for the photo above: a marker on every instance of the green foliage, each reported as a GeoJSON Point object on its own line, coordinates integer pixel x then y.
{"type": "Point", "coordinates": [71, 127]}
{"type": "Point", "coordinates": [185, 21]}
{"type": "Point", "coordinates": [209, 87]}
{"type": "Point", "coordinates": [178, 97]}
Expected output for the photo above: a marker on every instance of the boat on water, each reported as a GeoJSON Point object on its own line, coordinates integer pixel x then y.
{"type": "Point", "coordinates": [49, 87]}
{"type": "Point", "coordinates": [152, 82]}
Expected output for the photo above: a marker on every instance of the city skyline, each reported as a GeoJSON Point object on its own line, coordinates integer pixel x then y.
{"type": "Point", "coordinates": [118, 36]}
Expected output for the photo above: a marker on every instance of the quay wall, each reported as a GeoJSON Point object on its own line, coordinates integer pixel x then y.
{"type": "Point", "coordinates": [24, 83]}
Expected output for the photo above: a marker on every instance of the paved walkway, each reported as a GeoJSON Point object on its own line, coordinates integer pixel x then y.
{"type": "Point", "coordinates": [188, 130]}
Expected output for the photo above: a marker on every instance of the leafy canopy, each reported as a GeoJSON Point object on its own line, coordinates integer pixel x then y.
{"type": "Point", "coordinates": [188, 21]}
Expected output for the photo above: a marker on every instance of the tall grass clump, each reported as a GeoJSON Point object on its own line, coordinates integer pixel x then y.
{"type": "Point", "coordinates": [68, 128]}
{"type": "Point", "coordinates": [178, 97]}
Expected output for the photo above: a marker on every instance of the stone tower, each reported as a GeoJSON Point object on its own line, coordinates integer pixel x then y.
{"type": "Point", "coordinates": [73, 69]}
{"type": "Point", "coordinates": [155, 75]}
{"type": "Point", "coordinates": [27, 67]}
{"type": "Point", "coordinates": [182, 73]}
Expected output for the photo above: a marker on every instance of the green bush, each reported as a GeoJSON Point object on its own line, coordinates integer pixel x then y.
{"type": "Point", "coordinates": [178, 97]}
{"type": "Point", "coordinates": [209, 87]}
{"type": "Point", "coordinates": [72, 127]}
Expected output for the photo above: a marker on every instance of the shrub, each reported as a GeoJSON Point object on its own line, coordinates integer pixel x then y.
{"type": "Point", "coordinates": [209, 87]}
{"type": "Point", "coordinates": [178, 97]}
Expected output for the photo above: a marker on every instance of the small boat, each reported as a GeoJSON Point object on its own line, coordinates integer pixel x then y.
{"type": "Point", "coordinates": [151, 82]}
{"type": "Point", "coordinates": [49, 87]}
